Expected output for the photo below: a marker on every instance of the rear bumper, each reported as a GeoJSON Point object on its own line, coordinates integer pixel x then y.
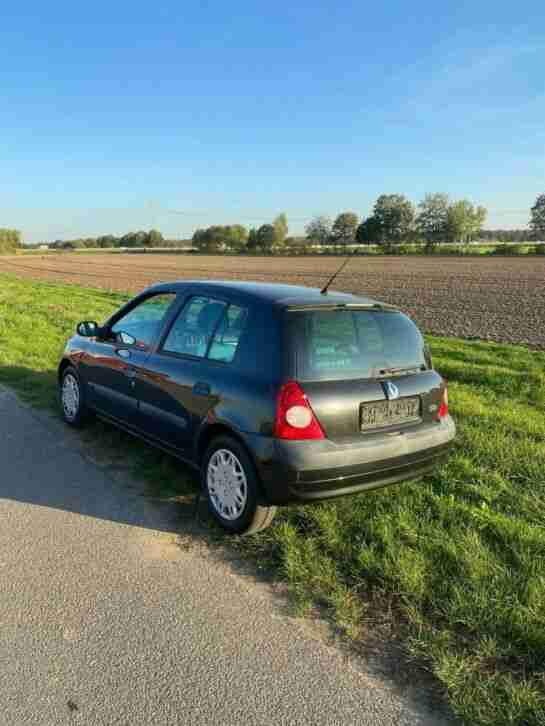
{"type": "Point", "coordinates": [302, 471]}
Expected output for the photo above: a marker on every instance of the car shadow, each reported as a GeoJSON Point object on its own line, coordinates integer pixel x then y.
{"type": "Point", "coordinates": [98, 471]}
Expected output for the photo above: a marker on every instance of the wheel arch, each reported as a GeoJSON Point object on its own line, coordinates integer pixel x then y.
{"type": "Point", "coordinates": [214, 430]}
{"type": "Point", "coordinates": [63, 365]}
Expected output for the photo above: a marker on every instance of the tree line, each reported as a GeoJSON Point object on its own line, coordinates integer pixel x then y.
{"type": "Point", "coordinates": [437, 219]}
{"type": "Point", "coordinates": [237, 237]}
{"type": "Point", "coordinates": [393, 219]}
{"type": "Point", "coordinates": [152, 238]}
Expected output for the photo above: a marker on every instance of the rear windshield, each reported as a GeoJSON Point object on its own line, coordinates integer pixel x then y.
{"type": "Point", "coordinates": [344, 344]}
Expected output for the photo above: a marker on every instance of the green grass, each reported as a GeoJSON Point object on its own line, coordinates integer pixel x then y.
{"type": "Point", "coordinates": [453, 565]}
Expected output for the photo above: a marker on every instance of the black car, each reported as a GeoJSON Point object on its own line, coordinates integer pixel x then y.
{"type": "Point", "coordinates": [275, 393]}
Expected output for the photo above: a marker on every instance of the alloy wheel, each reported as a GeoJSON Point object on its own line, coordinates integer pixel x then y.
{"type": "Point", "coordinates": [227, 484]}
{"type": "Point", "coordinates": [70, 396]}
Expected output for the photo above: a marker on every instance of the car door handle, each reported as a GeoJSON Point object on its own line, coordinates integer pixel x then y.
{"type": "Point", "coordinates": [123, 353]}
{"type": "Point", "coordinates": [201, 389]}
{"type": "Point", "coordinates": [130, 372]}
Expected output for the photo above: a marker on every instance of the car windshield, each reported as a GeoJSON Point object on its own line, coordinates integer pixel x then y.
{"type": "Point", "coordinates": [346, 344]}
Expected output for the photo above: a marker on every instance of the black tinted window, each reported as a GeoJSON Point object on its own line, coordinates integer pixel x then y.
{"type": "Point", "coordinates": [193, 328]}
{"type": "Point", "coordinates": [342, 344]}
{"type": "Point", "coordinates": [227, 337]}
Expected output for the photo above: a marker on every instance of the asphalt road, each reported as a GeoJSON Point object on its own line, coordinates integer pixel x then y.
{"type": "Point", "coordinates": [106, 619]}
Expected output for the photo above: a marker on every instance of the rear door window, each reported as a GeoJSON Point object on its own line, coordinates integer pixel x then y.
{"type": "Point", "coordinates": [345, 344]}
{"type": "Point", "coordinates": [207, 328]}
{"type": "Point", "coordinates": [193, 328]}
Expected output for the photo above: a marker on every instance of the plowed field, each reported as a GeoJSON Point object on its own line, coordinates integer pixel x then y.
{"type": "Point", "coordinates": [491, 298]}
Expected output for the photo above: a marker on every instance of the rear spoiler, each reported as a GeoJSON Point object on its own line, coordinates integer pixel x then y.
{"type": "Point", "coordinates": [384, 307]}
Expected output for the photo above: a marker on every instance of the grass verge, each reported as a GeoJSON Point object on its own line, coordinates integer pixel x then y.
{"type": "Point", "coordinates": [454, 564]}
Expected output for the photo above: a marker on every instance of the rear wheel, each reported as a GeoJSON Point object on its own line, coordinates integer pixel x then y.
{"type": "Point", "coordinates": [73, 407]}
{"type": "Point", "coordinates": [231, 485]}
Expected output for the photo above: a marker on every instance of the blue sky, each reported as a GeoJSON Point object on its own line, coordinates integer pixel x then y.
{"type": "Point", "coordinates": [119, 115]}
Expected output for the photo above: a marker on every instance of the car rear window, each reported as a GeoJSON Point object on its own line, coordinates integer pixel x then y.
{"type": "Point", "coordinates": [345, 344]}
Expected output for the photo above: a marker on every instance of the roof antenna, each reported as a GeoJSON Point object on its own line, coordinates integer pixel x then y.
{"type": "Point", "coordinates": [324, 289]}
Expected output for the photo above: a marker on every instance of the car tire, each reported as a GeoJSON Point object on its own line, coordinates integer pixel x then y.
{"type": "Point", "coordinates": [232, 489]}
{"type": "Point", "coordinates": [74, 410]}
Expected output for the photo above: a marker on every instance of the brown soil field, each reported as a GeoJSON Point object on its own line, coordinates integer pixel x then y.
{"type": "Point", "coordinates": [489, 298]}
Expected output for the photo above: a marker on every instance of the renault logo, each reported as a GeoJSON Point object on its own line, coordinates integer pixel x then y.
{"type": "Point", "coordinates": [392, 391]}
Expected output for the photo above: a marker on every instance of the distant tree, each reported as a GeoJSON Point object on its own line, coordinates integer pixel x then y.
{"type": "Point", "coordinates": [369, 231]}
{"type": "Point", "coordinates": [134, 239]}
{"type": "Point", "coordinates": [280, 225]}
{"type": "Point", "coordinates": [72, 244]}
{"type": "Point", "coordinates": [218, 237]}
{"type": "Point", "coordinates": [318, 230]}
{"type": "Point", "coordinates": [236, 236]}
{"type": "Point", "coordinates": [252, 239]}
{"type": "Point", "coordinates": [198, 240]}
{"type": "Point", "coordinates": [464, 221]}
{"type": "Point", "coordinates": [154, 238]}
{"type": "Point", "coordinates": [432, 221]}
{"type": "Point", "coordinates": [107, 240]}
{"type": "Point", "coordinates": [394, 215]}
{"type": "Point", "coordinates": [10, 240]}
{"type": "Point", "coordinates": [211, 239]}
{"type": "Point", "coordinates": [344, 228]}
{"type": "Point", "coordinates": [537, 219]}
{"type": "Point", "coordinates": [266, 236]}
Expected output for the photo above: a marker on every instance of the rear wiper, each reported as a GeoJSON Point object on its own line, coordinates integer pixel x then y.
{"type": "Point", "coordinates": [394, 371]}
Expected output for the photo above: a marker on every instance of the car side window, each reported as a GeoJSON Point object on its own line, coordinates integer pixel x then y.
{"type": "Point", "coordinates": [194, 327]}
{"type": "Point", "coordinates": [144, 321]}
{"type": "Point", "coordinates": [227, 337]}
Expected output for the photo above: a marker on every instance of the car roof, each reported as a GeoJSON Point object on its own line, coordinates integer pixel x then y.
{"type": "Point", "coordinates": [278, 294]}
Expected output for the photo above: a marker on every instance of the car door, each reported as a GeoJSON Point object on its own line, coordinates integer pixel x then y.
{"type": "Point", "coordinates": [180, 382]}
{"type": "Point", "coordinates": [112, 363]}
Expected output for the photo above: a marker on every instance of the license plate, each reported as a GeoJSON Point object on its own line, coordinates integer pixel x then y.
{"type": "Point", "coordinates": [388, 413]}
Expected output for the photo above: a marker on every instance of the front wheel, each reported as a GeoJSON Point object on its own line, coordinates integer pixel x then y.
{"type": "Point", "coordinates": [74, 411]}
{"type": "Point", "coordinates": [232, 489]}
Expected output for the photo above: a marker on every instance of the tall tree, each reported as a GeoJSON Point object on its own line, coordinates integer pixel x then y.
{"type": "Point", "coordinates": [432, 221]}
{"type": "Point", "coordinates": [537, 220]}
{"type": "Point", "coordinates": [394, 215]}
{"type": "Point", "coordinates": [155, 238]}
{"type": "Point", "coordinates": [236, 236]}
{"type": "Point", "coordinates": [280, 225]}
{"type": "Point", "coordinates": [10, 240]}
{"type": "Point", "coordinates": [217, 237]}
{"type": "Point", "coordinates": [211, 239]}
{"type": "Point", "coordinates": [319, 230]}
{"type": "Point", "coordinates": [369, 231]}
{"type": "Point", "coordinates": [344, 228]}
{"type": "Point", "coordinates": [134, 239]}
{"type": "Point", "coordinates": [266, 236]}
{"type": "Point", "coordinates": [464, 221]}
{"type": "Point", "coordinates": [252, 239]}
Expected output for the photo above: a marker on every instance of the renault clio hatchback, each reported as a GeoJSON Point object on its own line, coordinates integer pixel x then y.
{"type": "Point", "coordinates": [275, 393]}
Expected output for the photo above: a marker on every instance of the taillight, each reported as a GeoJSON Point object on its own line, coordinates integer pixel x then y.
{"type": "Point", "coordinates": [295, 418]}
{"type": "Point", "coordinates": [443, 406]}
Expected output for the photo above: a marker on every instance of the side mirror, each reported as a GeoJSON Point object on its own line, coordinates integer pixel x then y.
{"type": "Point", "coordinates": [88, 329]}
